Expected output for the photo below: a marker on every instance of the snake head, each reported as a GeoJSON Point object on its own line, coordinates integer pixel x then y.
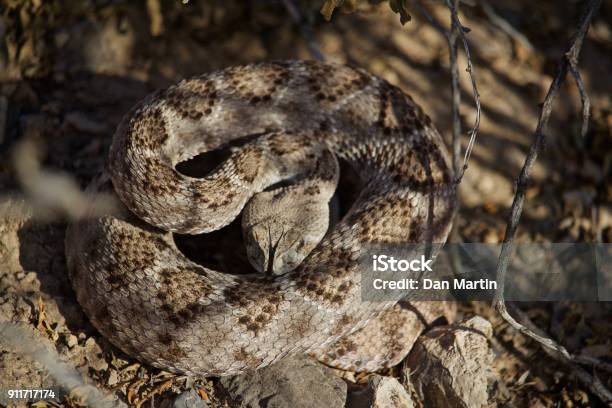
{"type": "Point", "coordinates": [278, 241]}
{"type": "Point", "coordinates": [273, 250]}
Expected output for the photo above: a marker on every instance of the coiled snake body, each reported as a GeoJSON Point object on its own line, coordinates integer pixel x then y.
{"type": "Point", "coordinates": [289, 122]}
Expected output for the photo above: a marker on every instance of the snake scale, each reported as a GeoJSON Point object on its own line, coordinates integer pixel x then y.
{"type": "Point", "coordinates": [288, 125]}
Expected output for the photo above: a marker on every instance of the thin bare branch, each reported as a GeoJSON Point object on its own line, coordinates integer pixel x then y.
{"type": "Point", "coordinates": [523, 179]}
{"type": "Point", "coordinates": [584, 96]}
{"type": "Point", "coordinates": [460, 30]}
{"type": "Point", "coordinates": [455, 90]}
{"type": "Point", "coordinates": [558, 351]}
{"type": "Point", "coordinates": [505, 26]}
{"type": "Point", "coordinates": [555, 350]}
{"type": "Point", "coordinates": [572, 364]}
{"type": "Point", "coordinates": [457, 32]}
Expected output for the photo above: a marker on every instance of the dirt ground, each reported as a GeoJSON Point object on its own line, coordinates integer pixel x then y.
{"type": "Point", "coordinates": [69, 70]}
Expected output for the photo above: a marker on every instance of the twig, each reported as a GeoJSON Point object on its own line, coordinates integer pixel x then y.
{"type": "Point", "coordinates": [571, 62]}
{"type": "Point", "coordinates": [457, 31]}
{"type": "Point", "coordinates": [555, 350]}
{"type": "Point", "coordinates": [455, 91]}
{"type": "Point", "coordinates": [584, 97]}
{"type": "Point", "coordinates": [18, 338]}
{"type": "Point", "coordinates": [590, 381]}
{"type": "Point", "coordinates": [456, 26]}
{"type": "Point", "coordinates": [305, 30]}
{"type": "Point", "coordinates": [504, 25]}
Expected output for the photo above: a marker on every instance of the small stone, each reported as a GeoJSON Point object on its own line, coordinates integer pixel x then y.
{"type": "Point", "coordinates": [382, 392]}
{"type": "Point", "coordinates": [113, 378]}
{"type": "Point", "coordinates": [30, 277]}
{"type": "Point", "coordinates": [293, 382]}
{"type": "Point", "coordinates": [71, 340]}
{"type": "Point", "coordinates": [189, 399]}
{"type": "Point", "coordinates": [93, 354]}
{"type": "Point", "coordinates": [450, 366]}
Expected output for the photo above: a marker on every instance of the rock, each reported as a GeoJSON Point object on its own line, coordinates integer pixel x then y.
{"type": "Point", "coordinates": [293, 382]}
{"type": "Point", "coordinates": [189, 399]}
{"type": "Point", "coordinates": [113, 378]}
{"type": "Point", "coordinates": [382, 392]}
{"type": "Point", "coordinates": [450, 366]}
{"type": "Point", "coordinates": [70, 340]}
{"type": "Point", "coordinates": [94, 355]}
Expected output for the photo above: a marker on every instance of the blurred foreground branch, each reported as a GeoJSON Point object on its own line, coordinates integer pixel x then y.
{"type": "Point", "coordinates": [19, 339]}
{"type": "Point", "coordinates": [48, 194]}
{"type": "Point", "coordinates": [553, 349]}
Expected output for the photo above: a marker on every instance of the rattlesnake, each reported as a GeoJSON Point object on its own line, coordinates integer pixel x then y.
{"type": "Point", "coordinates": [284, 122]}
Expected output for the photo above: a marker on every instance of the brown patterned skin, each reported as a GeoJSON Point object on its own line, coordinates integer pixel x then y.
{"type": "Point", "coordinates": [152, 302]}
